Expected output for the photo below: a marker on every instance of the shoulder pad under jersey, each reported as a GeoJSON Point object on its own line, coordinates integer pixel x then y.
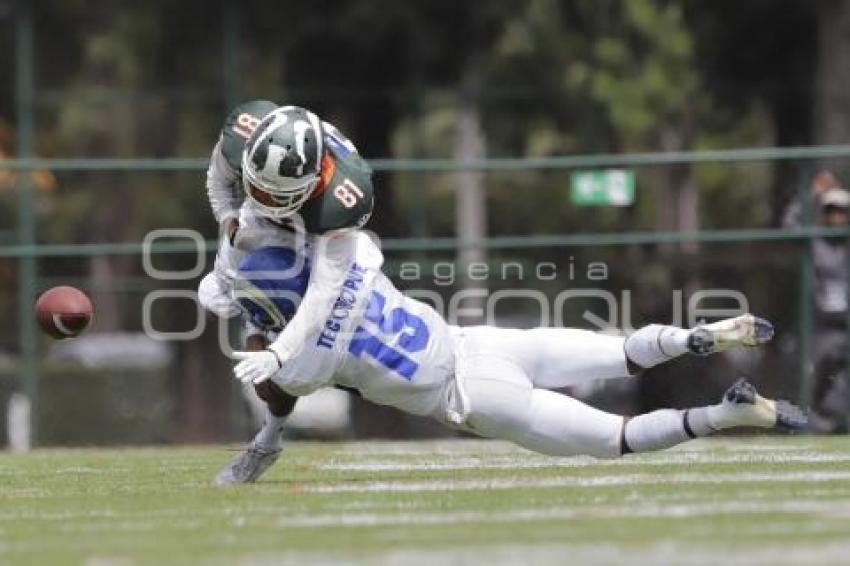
{"type": "Point", "coordinates": [239, 126]}
{"type": "Point", "coordinates": [346, 201]}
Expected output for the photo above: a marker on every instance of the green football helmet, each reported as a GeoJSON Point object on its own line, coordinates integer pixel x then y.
{"type": "Point", "coordinates": [282, 161]}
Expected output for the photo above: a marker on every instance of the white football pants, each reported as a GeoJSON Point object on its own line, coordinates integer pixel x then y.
{"type": "Point", "coordinates": [506, 374]}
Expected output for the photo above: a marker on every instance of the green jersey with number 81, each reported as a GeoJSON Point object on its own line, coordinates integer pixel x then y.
{"type": "Point", "coordinates": [343, 198]}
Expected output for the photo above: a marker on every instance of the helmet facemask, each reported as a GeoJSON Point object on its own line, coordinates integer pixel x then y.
{"type": "Point", "coordinates": [281, 163]}
{"type": "Point", "coordinates": [276, 204]}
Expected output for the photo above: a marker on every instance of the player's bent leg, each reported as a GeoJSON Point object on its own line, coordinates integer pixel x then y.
{"type": "Point", "coordinates": [655, 344]}
{"type": "Point", "coordinates": [562, 357]}
{"type": "Point", "coordinates": [563, 426]}
{"type": "Point", "coordinates": [550, 357]}
{"type": "Point", "coordinates": [499, 397]}
{"type": "Point", "coordinates": [505, 405]}
{"type": "Point", "coordinates": [741, 406]}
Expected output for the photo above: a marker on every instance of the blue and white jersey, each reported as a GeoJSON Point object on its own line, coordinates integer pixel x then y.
{"type": "Point", "coordinates": [393, 349]}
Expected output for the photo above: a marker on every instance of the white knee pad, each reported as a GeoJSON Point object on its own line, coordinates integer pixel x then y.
{"type": "Point", "coordinates": [655, 344]}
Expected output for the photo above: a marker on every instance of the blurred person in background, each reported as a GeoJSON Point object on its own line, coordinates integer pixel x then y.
{"type": "Point", "coordinates": [829, 256]}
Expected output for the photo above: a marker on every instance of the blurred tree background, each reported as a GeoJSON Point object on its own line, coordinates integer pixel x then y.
{"type": "Point", "coordinates": [116, 78]}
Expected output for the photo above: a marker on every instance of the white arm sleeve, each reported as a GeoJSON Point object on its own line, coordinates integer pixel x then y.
{"type": "Point", "coordinates": [333, 256]}
{"type": "Point", "coordinates": [221, 185]}
{"type": "Point", "coordinates": [215, 291]}
{"type": "Point", "coordinates": [215, 296]}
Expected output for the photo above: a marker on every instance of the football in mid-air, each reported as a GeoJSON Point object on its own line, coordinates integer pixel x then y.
{"type": "Point", "coordinates": [63, 312]}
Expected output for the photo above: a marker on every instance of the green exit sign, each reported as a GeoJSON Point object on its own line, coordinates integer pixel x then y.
{"type": "Point", "coordinates": [605, 187]}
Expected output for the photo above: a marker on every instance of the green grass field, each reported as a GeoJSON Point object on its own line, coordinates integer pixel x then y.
{"type": "Point", "coordinates": [771, 500]}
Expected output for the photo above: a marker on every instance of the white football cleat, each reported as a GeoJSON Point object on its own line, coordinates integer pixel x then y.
{"type": "Point", "coordinates": [743, 406]}
{"type": "Point", "coordinates": [744, 330]}
{"type": "Point", "coordinates": [249, 465]}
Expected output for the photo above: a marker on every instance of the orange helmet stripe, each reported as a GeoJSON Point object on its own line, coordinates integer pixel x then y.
{"type": "Point", "coordinates": [326, 174]}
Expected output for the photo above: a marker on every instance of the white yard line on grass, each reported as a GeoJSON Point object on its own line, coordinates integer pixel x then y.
{"type": "Point", "coordinates": [574, 481]}
{"type": "Point", "coordinates": [476, 447]}
{"type": "Point", "coordinates": [826, 509]}
{"type": "Point", "coordinates": [534, 461]}
{"type": "Point", "coordinates": [662, 552]}
{"type": "Point", "coordinates": [657, 552]}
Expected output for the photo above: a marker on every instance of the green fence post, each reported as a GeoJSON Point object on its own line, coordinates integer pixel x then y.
{"type": "Point", "coordinates": [805, 392]}
{"type": "Point", "coordinates": [230, 57]}
{"type": "Point", "coordinates": [847, 330]}
{"type": "Point", "coordinates": [27, 266]}
{"type": "Point", "coordinates": [230, 15]}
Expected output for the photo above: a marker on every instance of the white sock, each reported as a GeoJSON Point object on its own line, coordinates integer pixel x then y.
{"type": "Point", "coordinates": [655, 344]}
{"type": "Point", "coordinates": [704, 420]}
{"type": "Point", "coordinates": [270, 435]}
{"type": "Point", "coordinates": [723, 415]}
{"type": "Point", "coordinates": [668, 427]}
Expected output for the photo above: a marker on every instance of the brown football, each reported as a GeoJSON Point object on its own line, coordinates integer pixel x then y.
{"type": "Point", "coordinates": [63, 312]}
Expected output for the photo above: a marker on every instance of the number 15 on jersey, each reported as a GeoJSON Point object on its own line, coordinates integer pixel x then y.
{"type": "Point", "coordinates": [412, 332]}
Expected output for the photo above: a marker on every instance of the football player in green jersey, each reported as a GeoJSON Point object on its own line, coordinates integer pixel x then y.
{"type": "Point", "coordinates": [324, 181]}
{"type": "Point", "coordinates": [280, 174]}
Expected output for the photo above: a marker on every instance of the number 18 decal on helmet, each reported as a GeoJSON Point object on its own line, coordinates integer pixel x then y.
{"type": "Point", "coordinates": [281, 163]}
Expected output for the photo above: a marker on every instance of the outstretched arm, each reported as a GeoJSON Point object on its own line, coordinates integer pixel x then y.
{"type": "Point", "coordinates": [221, 182]}
{"type": "Point", "coordinates": [215, 291]}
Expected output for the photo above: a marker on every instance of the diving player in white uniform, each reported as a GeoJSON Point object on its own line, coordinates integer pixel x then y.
{"type": "Point", "coordinates": [494, 382]}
